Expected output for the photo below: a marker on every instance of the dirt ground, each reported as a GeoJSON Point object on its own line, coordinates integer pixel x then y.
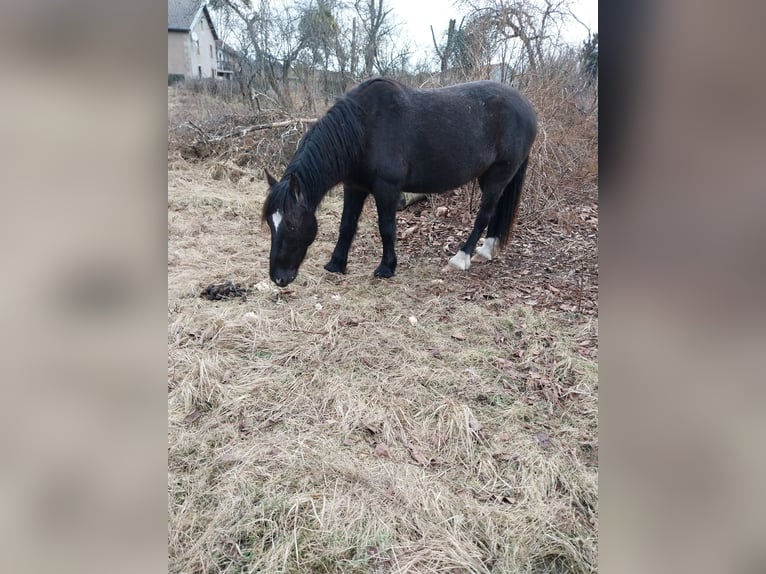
{"type": "Point", "coordinates": [437, 421]}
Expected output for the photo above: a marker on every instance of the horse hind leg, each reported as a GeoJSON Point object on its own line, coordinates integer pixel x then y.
{"type": "Point", "coordinates": [462, 259]}
{"type": "Point", "coordinates": [501, 224]}
{"type": "Point", "coordinates": [491, 245]}
{"type": "Point", "coordinates": [489, 248]}
{"type": "Point", "coordinates": [493, 183]}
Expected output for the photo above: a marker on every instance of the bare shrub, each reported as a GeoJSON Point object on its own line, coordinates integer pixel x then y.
{"type": "Point", "coordinates": [564, 167]}
{"type": "Point", "coordinates": [226, 90]}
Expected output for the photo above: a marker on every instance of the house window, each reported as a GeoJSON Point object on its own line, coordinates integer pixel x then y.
{"type": "Point", "coordinates": [197, 42]}
{"type": "Point", "coordinates": [199, 71]}
{"type": "Point", "coordinates": [211, 50]}
{"type": "Point", "coordinates": [212, 72]}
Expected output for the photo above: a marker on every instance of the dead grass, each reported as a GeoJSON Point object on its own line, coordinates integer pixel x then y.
{"type": "Point", "coordinates": [317, 429]}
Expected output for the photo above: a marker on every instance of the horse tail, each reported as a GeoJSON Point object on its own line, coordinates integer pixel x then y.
{"type": "Point", "coordinates": [508, 205]}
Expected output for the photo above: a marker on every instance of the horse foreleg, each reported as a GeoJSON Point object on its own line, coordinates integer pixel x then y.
{"type": "Point", "coordinates": [353, 202]}
{"type": "Point", "coordinates": [386, 202]}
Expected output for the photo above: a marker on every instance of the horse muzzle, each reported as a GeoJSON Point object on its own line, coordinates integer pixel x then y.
{"type": "Point", "coordinates": [283, 277]}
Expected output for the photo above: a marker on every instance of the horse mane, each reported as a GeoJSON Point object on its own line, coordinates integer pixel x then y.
{"type": "Point", "coordinates": [325, 154]}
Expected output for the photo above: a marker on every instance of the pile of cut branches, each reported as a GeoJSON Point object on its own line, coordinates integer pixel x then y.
{"type": "Point", "coordinates": [262, 140]}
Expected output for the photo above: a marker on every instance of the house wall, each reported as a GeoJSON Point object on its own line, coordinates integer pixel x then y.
{"type": "Point", "coordinates": [206, 59]}
{"type": "Point", "coordinates": [178, 57]}
{"type": "Point", "coordinates": [182, 51]}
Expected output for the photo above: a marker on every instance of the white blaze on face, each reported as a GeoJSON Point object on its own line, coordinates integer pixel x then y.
{"type": "Point", "coordinates": [487, 251]}
{"type": "Point", "coordinates": [276, 219]}
{"type": "Point", "coordinates": [461, 260]}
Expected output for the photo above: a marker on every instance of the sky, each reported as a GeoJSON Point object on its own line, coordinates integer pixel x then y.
{"type": "Point", "coordinates": [416, 16]}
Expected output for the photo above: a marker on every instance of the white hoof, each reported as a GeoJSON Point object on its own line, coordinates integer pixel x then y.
{"type": "Point", "coordinates": [488, 249]}
{"type": "Point", "coordinates": [461, 260]}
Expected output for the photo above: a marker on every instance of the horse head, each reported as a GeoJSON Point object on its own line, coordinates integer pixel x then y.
{"type": "Point", "coordinates": [293, 228]}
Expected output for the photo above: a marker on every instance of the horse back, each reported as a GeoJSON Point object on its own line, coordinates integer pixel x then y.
{"type": "Point", "coordinates": [435, 140]}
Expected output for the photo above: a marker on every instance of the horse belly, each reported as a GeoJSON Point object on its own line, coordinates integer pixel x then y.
{"type": "Point", "coordinates": [445, 172]}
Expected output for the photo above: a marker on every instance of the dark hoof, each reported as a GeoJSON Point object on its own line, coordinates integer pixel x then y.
{"type": "Point", "coordinates": [384, 272]}
{"type": "Point", "coordinates": [335, 267]}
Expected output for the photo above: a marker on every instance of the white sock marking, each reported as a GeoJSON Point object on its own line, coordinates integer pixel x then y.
{"type": "Point", "coordinates": [488, 249]}
{"type": "Point", "coordinates": [461, 260]}
{"type": "Point", "coordinates": [276, 218]}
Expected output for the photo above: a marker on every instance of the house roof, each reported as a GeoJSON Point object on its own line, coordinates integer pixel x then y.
{"type": "Point", "coordinates": [183, 13]}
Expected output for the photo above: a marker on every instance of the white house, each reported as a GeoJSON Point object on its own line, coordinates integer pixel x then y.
{"type": "Point", "coordinates": [192, 40]}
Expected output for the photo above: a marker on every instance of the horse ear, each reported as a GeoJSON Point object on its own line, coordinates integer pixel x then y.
{"type": "Point", "coordinates": [271, 180]}
{"type": "Point", "coordinates": [295, 188]}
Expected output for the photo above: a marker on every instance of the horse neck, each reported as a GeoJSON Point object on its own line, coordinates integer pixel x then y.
{"type": "Point", "coordinates": [316, 181]}
{"type": "Point", "coordinates": [327, 155]}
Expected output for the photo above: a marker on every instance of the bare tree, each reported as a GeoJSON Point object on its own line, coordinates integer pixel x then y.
{"type": "Point", "coordinates": [274, 38]}
{"type": "Point", "coordinates": [393, 58]}
{"type": "Point", "coordinates": [446, 51]}
{"type": "Point", "coordinates": [476, 44]}
{"type": "Point", "coordinates": [534, 24]}
{"type": "Point", "coordinates": [372, 15]}
{"type": "Point", "coordinates": [317, 46]}
{"type": "Point", "coordinates": [347, 53]}
{"type": "Point", "coordinates": [319, 29]}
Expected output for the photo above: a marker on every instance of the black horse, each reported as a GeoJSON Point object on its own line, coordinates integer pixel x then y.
{"type": "Point", "coordinates": [383, 138]}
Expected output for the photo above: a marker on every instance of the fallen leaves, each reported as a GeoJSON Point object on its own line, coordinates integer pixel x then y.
{"type": "Point", "coordinates": [418, 456]}
{"type": "Point", "coordinates": [409, 231]}
{"type": "Point", "coordinates": [230, 457]}
{"type": "Point", "coordinates": [542, 439]}
{"type": "Point", "coordinates": [505, 457]}
{"type": "Point", "coordinates": [192, 416]}
{"type": "Point", "coordinates": [474, 425]}
{"type": "Point", "coordinates": [553, 262]}
{"type": "Point", "coordinates": [438, 440]}
{"type": "Point", "coordinates": [382, 451]}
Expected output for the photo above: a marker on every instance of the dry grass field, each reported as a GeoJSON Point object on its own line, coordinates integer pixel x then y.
{"type": "Point", "coordinates": [439, 421]}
